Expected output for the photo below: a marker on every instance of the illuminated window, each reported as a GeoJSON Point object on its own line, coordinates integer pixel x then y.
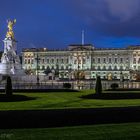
{"type": "Point", "coordinates": [79, 61]}
{"type": "Point", "coordinates": [115, 60]}
{"type": "Point", "coordinates": [99, 60]}
{"type": "Point", "coordinates": [47, 60]}
{"type": "Point", "coordinates": [134, 67]}
{"type": "Point", "coordinates": [127, 59]}
{"type": "Point", "coordinates": [29, 61]}
{"type": "Point", "coordinates": [139, 60]}
{"type": "Point", "coordinates": [110, 60]}
{"type": "Point", "coordinates": [99, 67]}
{"type": "Point", "coordinates": [110, 68]}
{"type": "Point", "coordinates": [48, 67]}
{"type": "Point", "coordinates": [52, 61]}
{"type": "Point", "coordinates": [43, 67]}
{"type": "Point", "coordinates": [127, 68]}
{"type": "Point", "coordinates": [56, 67]}
{"type": "Point", "coordinates": [57, 60]}
{"type": "Point", "coordinates": [25, 61]}
{"type": "Point", "coordinates": [84, 61]}
{"type": "Point", "coordinates": [62, 67]}
{"type": "Point", "coordinates": [93, 67]}
{"type": "Point", "coordinates": [134, 61]}
{"type": "Point", "coordinates": [104, 67]}
{"type": "Point", "coordinates": [67, 60]}
{"type": "Point", "coordinates": [43, 60]}
{"type": "Point", "coordinates": [115, 67]}
{"type": "Point", "coordinates": [104, 60]}
{"type": "Point", "coordinates": [32, 61]}
{"type": "Point", "coordinates": [121, 67]}
{"type": "Point", "coordinates": [121, 60]}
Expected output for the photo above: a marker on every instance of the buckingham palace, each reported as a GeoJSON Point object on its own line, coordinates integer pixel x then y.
{"type": "Point", "coordinates": [79, 61]}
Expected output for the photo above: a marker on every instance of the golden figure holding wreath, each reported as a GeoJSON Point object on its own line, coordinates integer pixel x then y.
{"type": "Point", "coordinates": [10, 33]}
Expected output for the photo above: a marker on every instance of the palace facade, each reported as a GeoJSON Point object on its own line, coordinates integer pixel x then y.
{"type": "Point", "coordinates": [83, 62]}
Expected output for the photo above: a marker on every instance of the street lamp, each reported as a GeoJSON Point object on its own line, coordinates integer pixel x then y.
{"type": "Point", "coordinates": [37, 77]}
{"type": "Point", "coordinates": [78, 78]}
{"type": "Point", "coordinates": [78, 55]}
{"type": "Point", "coordinates": [70, 70]}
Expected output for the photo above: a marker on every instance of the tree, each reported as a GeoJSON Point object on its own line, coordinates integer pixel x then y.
{"type": "Point", "coordinates": [57, 71]}
{"type": "Point", "coordinates": [29, 72]}
{"type": "Point", "coordinates": [47, 71]}
{"type": "Point", "coordinates": [8, 86]}
{"type": "Point", "coordinates": [114, 86]}
{"type": "Point", "coordinates": [98, 87]}
{"type": "Point", "coordinates": [67, 85]}
{"type": "Point", "coordinates": [135, 75]}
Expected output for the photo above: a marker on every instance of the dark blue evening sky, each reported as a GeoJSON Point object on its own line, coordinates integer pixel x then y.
{"type": "Point", "coordinates": [58, 23]}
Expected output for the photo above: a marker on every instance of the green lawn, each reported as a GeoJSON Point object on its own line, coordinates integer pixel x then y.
{"type": "Point", "coordinates": [59, 100]}
{"type": "Point", "coordinates": [129, 131]}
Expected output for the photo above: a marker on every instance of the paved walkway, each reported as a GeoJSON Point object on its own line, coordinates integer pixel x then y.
{"type": "Point", "coordinates": [67, 117]}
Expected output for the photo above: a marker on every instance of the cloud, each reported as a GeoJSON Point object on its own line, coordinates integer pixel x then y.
{"type": "Point", "coordinates": [58, 23]}
{"type": "Point", "coordinates": [109, 17]}
{"type": "Point", "coordinates": [103, 9]}
{"type": "Point", "coordinates": [123, 9]}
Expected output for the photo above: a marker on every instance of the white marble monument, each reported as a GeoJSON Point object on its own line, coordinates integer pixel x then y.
{"type": "Point", "coordinates": [10, 62]}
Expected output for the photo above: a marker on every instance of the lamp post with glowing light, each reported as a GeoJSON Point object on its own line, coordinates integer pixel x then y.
{"type": "Point", "coordinates": [37, 74]}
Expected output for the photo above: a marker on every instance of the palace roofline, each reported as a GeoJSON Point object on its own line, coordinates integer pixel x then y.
{"type": "Point", "coordinates": [72, 47]}
{"type": "Point", "coordinates": [80, 45]}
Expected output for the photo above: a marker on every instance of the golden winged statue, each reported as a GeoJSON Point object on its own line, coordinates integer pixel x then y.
{"type": "Point", "coordinates": [10, 33]}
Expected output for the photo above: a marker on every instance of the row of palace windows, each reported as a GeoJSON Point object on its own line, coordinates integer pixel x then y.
{"type": "Point", "coordinates": [98, 60]}
{"type": "Point", "coordinates": [57, 61]}
{"type": "Point", "coordinates": [52, 61]}
{"type": "Point", "coordinates": [50, 67]}
{"type": "Point", "coordinates": [95, 68]}
{"type": "Point", "coordinates": [57, 67]}
{"type": "Point", "coordinates": [28, 61]}
{"type": "Point", "coordinates": [136, 54]}
{"type": "Point", "coordinates": [136, 60]}
{"type": "Point", "coordinates": [109, 68]}
{"type": "Point", "coordinates": [110, 60]}
{"type": "Point", "coordinates": [136, 68]}
{"type": "Point", "coordinates": [80, 61]}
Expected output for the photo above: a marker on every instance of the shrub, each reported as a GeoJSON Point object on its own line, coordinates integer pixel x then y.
{"type": "Point", "coordinates": [67, 85]}
{"type": "Point", "coordinates": [98, 87]}
{"type": "Point", "coordinates": [114, 86]}
{"type": "Point", "coordinates": [47, 71]}
{"type": "Point", "coordinates": [8, 86]}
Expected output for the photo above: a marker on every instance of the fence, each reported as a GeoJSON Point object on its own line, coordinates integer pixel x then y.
{"type": "Point", "coordinates": [30, 82]}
